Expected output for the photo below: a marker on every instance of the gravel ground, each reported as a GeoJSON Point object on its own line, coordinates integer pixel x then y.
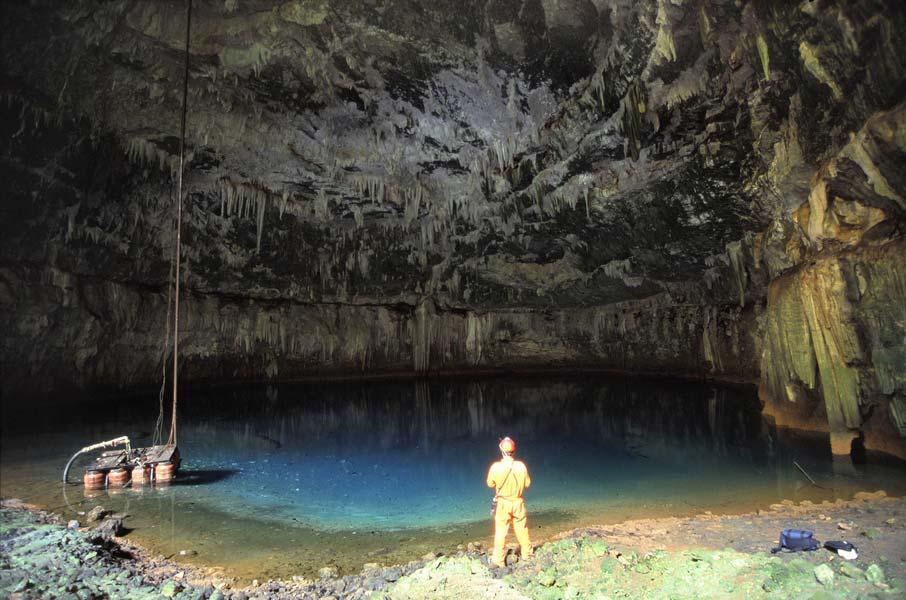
{"type": "Point", "coordinates": [43, 557]}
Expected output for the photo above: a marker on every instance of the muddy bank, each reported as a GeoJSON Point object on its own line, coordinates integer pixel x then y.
{"type": "Point", "coordinates": [702, 556]}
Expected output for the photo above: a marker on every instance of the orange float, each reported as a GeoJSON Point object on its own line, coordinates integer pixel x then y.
{"type": "Point", "coordinates": [164, 472]}
{"type": "Point", "coordinates": [94, 480]}
{"type": "Point", "coordinates": [118, 477]}
{"type": "Point", "coordinates": [141, 474]}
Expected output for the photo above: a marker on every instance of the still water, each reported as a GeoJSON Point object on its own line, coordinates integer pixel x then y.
{"type": "Point", "coordinates": [280, 480]}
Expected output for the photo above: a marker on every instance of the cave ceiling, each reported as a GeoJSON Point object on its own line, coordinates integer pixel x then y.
{"type": "Point", "coordinates": [493, 152]}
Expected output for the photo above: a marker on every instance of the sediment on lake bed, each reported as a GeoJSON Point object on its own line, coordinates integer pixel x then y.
{"type": "Point", "coordinates": [698, 557]}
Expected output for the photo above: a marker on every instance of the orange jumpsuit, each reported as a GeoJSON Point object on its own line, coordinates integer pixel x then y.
{"type": "Point", "coordinates": [509, 478]}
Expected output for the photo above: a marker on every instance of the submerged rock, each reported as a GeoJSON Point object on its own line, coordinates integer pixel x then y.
{"type": "Point", "coordinates": [95, 514]}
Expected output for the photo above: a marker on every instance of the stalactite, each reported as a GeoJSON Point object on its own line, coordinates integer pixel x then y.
{"type": "Point", "coordinates": [616, 269]}
{"type": "Point", "coordinates": [710, 348]}
{"type": "Point", "coordinates": [244, 200]}
{"type": "Point", "coordinates": [423, 336]}
{"type": "Point", "coordinates": [357, 215]}
{"type": "Point", "coordinates": [633, 107]}
{"type": "Point", "coordinates": [665, 46]}
{"type": "Point", "coordinates": [597, 91]}
{"type": "Point", "coordinates": [473, 338]}
{"type": "Point", "coordinates": [737, 264]}
{"type": "Point", "coordinates": [504, 151]}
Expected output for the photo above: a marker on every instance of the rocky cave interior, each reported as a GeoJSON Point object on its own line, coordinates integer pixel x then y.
{"type": "Point", "coordinates": [697, 188]}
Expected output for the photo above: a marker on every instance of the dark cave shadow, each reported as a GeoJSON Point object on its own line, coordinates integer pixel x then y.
{"type": "Point", "coordinates": [202, 476]}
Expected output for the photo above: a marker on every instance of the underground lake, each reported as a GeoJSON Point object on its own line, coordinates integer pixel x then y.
{"type": "Point", "coordinates": [282, 480]}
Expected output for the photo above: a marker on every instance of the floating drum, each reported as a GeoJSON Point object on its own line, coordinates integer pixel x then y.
{"type": "Point", "coordinates": [141, 474]}
{"type": "Point", "coordinates": [94, 480]}
{"type": "Point", "coordinates": [164, 472]}
{"type": "Point", "coordinates": [118, 477]}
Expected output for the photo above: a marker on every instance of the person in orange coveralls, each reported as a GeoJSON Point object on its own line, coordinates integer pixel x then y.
{"type": "Point", "coordinates": [509, 478]}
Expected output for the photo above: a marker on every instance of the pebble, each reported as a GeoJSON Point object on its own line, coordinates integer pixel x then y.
{"type": "Point", "coordinates": [546, 579]}
{"type": "Point", "coordinates": [374, 584]}
{"type": "Point", "coordinates": [866, 496]}
{"type": "Point", "coordinates": [72, 524]}
{"type": "Point", "coordinates": [169, 589]}
{"type": "Point", "coordinates": [851, 571]}
{"type": "Point", "coordinates": [328, 572]}
{"type": "Point", "coordinates": [844, 526]}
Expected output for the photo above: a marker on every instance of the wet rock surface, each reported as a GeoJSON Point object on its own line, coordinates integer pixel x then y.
{"type": "Point", "coordinates": [699, 557]}
{"type": "Point", "coordinates": [695, 188]}
{"type": "Point", "coordinates": [702, 557]}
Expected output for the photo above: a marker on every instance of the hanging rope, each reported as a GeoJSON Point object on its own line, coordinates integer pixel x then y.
{"type": "Point", "coordinates": [182, 157]}
{"type": "Point", "coordinates": [159, 424]}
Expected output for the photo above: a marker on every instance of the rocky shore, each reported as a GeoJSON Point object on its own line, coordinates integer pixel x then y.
{"type": "Point", "coordinates": [707, 556]}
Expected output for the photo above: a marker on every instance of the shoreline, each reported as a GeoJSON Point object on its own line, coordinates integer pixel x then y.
{"type": "Point", "coordinates": [874, 522]}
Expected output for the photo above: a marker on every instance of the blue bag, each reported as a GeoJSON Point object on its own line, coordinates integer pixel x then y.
{"type": "Point", "coordinates": [796, 540]}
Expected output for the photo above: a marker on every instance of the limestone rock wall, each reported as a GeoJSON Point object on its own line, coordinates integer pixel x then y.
{"type": "Point", "coordinates": [79, 332]}
{"type": "Point", "coordinates": [835, 334]}
{"type": "Point", "coordinates": [835, 347]}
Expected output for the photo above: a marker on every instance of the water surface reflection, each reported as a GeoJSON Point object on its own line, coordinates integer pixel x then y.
{"type": "Point", "coordinates": [282, 479]}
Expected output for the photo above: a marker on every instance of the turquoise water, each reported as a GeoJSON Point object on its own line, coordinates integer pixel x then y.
{"type": "Point", "coordinates": [284, 479]}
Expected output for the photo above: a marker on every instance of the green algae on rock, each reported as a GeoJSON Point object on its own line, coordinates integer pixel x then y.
{"type": "Point", "coordinates": [45, 560]}
{"type": "Point", "coordinates": [575, 568]}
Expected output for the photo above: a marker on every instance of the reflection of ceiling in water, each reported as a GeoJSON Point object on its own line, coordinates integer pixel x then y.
{"type": "Point", "coordinates": [645, 417]}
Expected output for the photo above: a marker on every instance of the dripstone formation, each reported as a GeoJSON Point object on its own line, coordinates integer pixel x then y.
{"type": "Point", "coordinates": [708, 188]}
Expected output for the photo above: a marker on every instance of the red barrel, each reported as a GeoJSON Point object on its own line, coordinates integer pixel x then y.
{"type": "Point", "coordinates": [141, 474]}
{"type": "Point", "coordinates": [118, 477]}
{"type": "Point", "coordinates": [164, 472]}
{"type": "Point", "coordinates": [94, 480]}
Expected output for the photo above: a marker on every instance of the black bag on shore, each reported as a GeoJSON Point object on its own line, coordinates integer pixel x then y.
{"type": "Point", "coordinates": [796, 540]}
{"type": "Point", "coordinates": [842, 548]}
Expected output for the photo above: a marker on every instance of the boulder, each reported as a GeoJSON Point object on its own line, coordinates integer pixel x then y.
{"type": "Point", "coordinates": [875, 574]}
{"type": "Point", "coordinates": [109, 528]}
{"type": "Point", "coordinates": [95, 514]}
{"type": "Point", "coordinates": [824, 574]}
